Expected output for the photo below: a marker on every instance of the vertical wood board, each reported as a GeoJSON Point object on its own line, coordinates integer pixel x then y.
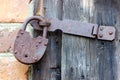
{"type": "Point", "coordinates": [84, 58]}
{"type": "Point", "coordinates": [80, 58]}
{"type": "Point", "coordinates": [49, 67]}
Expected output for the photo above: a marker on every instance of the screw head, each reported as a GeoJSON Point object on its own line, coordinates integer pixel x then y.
{"type": "Point", "coordinates": [100, 35]}
{"type": "Point", "coordinates": [15, 52]}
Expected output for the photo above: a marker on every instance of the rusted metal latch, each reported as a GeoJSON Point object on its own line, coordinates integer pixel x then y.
{"type": "Point", "coordinates": [79, 28]}
{"type": "Point", "coordinates": [30, 50]}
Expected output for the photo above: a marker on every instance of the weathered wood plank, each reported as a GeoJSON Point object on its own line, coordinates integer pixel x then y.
{"type": "Point", "coordinates": [82, 58]}
{"type": "Point", "coordinates": [87, 59]}
{"type": "Point", "coordinates": [49, 67]}
{"type": "Point", "coordinates": [53, 8]}
{"type": "Point", "coordinates": [117, 50]}
{"type": "Point", "coordinates": [117, 41]}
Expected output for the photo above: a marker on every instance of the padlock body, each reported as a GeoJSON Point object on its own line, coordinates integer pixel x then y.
{"type": "Point", "coordinates": [29, 50]}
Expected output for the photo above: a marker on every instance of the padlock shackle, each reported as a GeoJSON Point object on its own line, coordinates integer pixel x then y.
{"type": "Point", "coordinates": [40, 18]}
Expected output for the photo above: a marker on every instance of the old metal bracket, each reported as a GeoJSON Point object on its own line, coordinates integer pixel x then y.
{"type": "Point", "coordinates": [84, 29]}
{"type": "Point", "coordinates": [79, 28]}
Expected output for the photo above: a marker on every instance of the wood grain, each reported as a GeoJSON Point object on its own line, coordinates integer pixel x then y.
{"type": "Point", "coordinates": [81, 58]}
{"type": "Point", "coordinates": [84, 58]}
{"type": "Point", "coordinates": [49, 67]}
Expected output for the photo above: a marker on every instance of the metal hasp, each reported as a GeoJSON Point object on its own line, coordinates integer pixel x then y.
{"type": "Point", "coordinates": [80, 28]}
{"type": "Point", "coordinates": [84, 29]}
{"type": "Point", "coordinates": [30, 50]}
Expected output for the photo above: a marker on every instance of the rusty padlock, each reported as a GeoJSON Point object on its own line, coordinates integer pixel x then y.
{"type": "Point", "coordinates": [30, 50]}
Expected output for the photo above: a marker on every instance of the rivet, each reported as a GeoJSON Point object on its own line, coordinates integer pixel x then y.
{"type": "Point", "coordinates": [22, 45]}
{"type": "Point", "coordinates": [39, 42]}
{"type": "Point", "coordinates": [110, 33]}
{"type": "Point", "coordinates": [45, 44]}
{"type": "Point", "coordinates": [17, 36]}
{"type": "Point", "coordinates": [15, 52]}
{"type": "Point", "coordinates": [100, 35]}
{"type": "Point", "coordinates": [36, 59]}
{"type": "Point", "coordinates": [22, 33]}
{"type": "Point", "coordinates": [36, 45]}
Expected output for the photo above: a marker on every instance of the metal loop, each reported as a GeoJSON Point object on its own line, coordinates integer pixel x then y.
{"type": "Point", "coordinates": [40, 18]}
{"type": "Point", "coordinates": [44, 24]}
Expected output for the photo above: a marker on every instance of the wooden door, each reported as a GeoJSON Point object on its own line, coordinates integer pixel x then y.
{"type": "Point", "coordinates": [70, 57]}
